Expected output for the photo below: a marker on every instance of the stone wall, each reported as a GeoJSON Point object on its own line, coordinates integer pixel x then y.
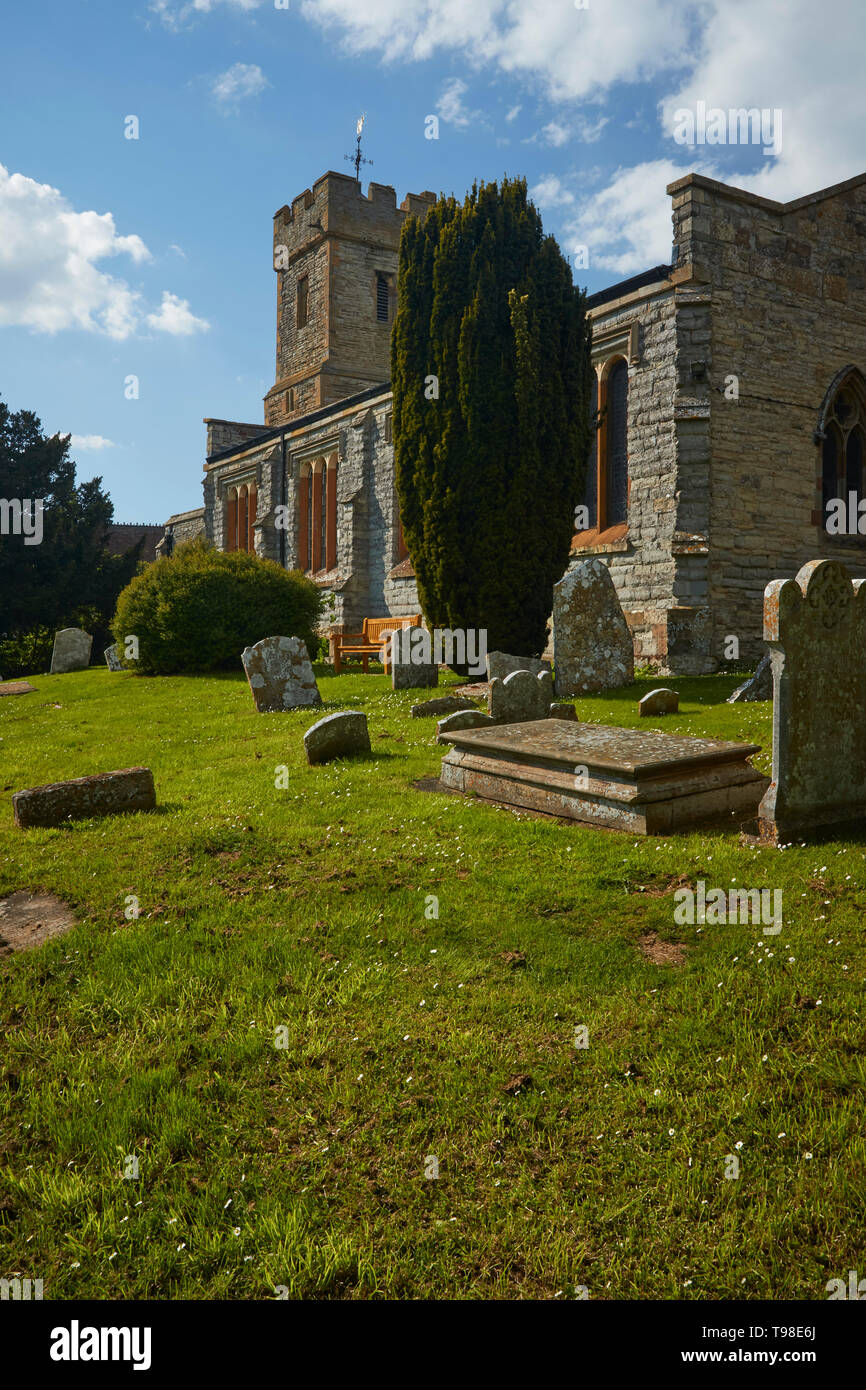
{"type": "Point", "coordinates": [785, 285]}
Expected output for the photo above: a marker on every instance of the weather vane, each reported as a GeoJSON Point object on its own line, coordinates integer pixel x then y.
{"type": "Point", "coordinates": [357, 158]}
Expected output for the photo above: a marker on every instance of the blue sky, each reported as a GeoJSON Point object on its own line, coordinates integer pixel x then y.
{"type": "Point", "coordinates": [152, 256]}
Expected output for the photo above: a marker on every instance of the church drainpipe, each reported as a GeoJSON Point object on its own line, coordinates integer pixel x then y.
{"type": "Point", "coordinates": [284, 492]}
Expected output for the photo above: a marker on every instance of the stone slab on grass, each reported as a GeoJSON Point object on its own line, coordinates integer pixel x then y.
{"type": "Point", "coordinates": [338, 735]}
{"type": "Point", "coordinates": [642, 782]}
{"type": "Point", "coordinates": [661, 701]}
{"type": "Point", "coordinates": [16, 688]}
{"type": "Point", "coordinates": [446, 704]}
{"type": "Point", "coordinates": [280, 675]}
{"type": "Point", "coordinates": [71, 651]}
{"type": "Point", "coordinates": [104, 794]}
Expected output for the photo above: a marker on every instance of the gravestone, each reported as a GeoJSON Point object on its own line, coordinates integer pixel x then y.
{"type": "Point", "coordinates": [337, 736]}
{"type": "Point", "coordinates": [563, 712]}
{"type": "Point", "coordinates": [519, 697]}
{"type": "Point", "coordinates": [815, 626]}
{"type": "Point", "coordinates": [759, 686]}
{"type": "Point", "coordinates": [640, 781]}
{"type": "Point", "coordinates": [112, 660]}
{"type": "Point", "coordinates": [71, 651]}
{"type": "Point", "coordinates": [592, 646]}
{"type": "Point", "coordinates": [414, 675]}
{"type": "Point", "coordinates": [661, 701]}
{"type": "Point", "coordinates": [280, 675]}
{"type": "Point", "coordinates": [446, 704]}
{"type": "Point", "coordinates": [462, 719]}
{"type": "Point", "coordinates": [17, 688]}
{"type": "Point", "coordinates": [500, 665]}
{"type": "Point", "coordinates": [104, 794]}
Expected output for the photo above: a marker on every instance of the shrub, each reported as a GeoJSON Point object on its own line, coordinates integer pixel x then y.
{"type": "Point", "coordinates": [197, 609]}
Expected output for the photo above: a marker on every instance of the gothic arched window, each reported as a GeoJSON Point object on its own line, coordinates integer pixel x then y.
{"type": "Point", "coordinates": [841, 436]}
{"type": "Point", "coordinates": [606, 490]}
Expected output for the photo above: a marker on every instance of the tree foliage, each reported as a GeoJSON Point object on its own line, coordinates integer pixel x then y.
{"type": "Point", "coordinates": [197, 609]}
{"type": "Point", "coordinates": [68, 579]}
{"type": "Point", "coordinates": [489, 473]}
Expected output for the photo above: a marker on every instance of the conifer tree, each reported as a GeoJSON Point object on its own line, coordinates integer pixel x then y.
{"type": "Point", "coordinates": [491, 378]}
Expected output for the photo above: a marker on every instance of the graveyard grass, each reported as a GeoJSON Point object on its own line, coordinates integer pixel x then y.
{"type": "Point", "coordinates": [302, 1168]}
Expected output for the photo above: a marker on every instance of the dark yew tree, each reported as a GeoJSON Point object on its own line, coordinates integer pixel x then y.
{"type": "Point", "coordinates": [491, 375]}
{"type": "Point", "coordinates": [68, 579]}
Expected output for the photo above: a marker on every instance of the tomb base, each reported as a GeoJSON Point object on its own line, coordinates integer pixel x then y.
{"type": "Point", "coordinates": [646, 783]}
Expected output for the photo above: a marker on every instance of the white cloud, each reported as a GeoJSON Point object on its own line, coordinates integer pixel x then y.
{"type": "Point", "coordinates": [49, 274]}
{"type": "Point", "coordinates": [49, 278]}
{"type": "Point", "coordinates": [550, 192]}
{"type": "Point", "coordinates": [627, 226]}
{"type": "Point", "coordinates": [179, 250]}
{"type": "Point", "coordinates": [176, 317]}
{"type": "Point", "coordinates": [450, 104]}
{"type": "Point", "coordinates": [555, 133]}
{"type": "Point", "coordinates": [571, 53]}
{"type": "Point", "coordinates": [513, 113]}
{"type": "Point", "coordinates": [83, 442]}
{"type": "Point", "coordinates": [179, 14]}
{"type": "Point", "coordinates": [238, 82]}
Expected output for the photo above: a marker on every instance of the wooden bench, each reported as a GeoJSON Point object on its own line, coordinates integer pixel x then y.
{"type": "Point", "coordinates": [371, 641]}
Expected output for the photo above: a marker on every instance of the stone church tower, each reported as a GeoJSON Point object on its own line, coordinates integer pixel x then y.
{"type": "Point", "coordinates": [335, 256]}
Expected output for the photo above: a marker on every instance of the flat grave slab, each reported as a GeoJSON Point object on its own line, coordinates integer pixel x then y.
{"type": "Point", "coordinates": [637, 780]}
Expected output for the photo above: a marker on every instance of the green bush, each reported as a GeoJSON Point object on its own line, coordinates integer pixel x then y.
{"type": "Point", "coordinates": [197, 609]}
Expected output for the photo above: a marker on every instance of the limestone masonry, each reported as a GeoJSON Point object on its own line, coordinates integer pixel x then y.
{"type": "Point", "coordinates": [729, 383]}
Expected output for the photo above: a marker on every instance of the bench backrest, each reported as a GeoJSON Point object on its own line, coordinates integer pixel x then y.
{"type": "Point", "coordinates": [374, 628]}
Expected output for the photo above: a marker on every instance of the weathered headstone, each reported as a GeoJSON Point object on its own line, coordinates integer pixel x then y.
{"type": "Point", "coordinates": [759, 686]}
{"type": "Point", "coordinates": [446, 704]}
{"type": "Point", "coordinates": [462, 719]}
{"type": "Point", "coordinates": [661, 701]}
{"type": "Point", "coordinates": [519, 697]}
{"type": "Point", "coordinates": [563, 712]}
{"type": "Point", "coordinates": [112, 660]}
{"type": "Point", "coordinates": [593, 648]}
{"type": "Point", "coordinates": [414, 675]}
{"type": "Point", "coordinates": [500, 665]}
{"type": "Point", "coordinates": [71, 651]}
{"type": "Point", "coordinates": [104, 794]}
{"type": "Point", "coordinates": [815, 626]}
{"type": "Point", "coordinates": [337, 736]}
{"type": "Point", "coordinates": [280, 675]}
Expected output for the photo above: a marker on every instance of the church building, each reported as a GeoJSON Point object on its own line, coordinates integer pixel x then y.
{"type": "Point", "coordinates": [729, 384]}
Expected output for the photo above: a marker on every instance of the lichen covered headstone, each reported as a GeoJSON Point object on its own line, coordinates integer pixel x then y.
{"type": "Point", "coordinates": [592, 645]}
{"type": "Point", "coordinates": [112, 659]}
{"type": "Point", "coordinates": [815, 626]}
{"type": "Point", "coordinates": [280, 675]}
{"type": "Point", "coordinates": [71, 651]}
{"type": "Point", "coordinates": [519, 697]}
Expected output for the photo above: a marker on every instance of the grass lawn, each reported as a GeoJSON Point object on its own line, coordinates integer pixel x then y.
{"type": "Point", "coordinates": [304, 915]}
